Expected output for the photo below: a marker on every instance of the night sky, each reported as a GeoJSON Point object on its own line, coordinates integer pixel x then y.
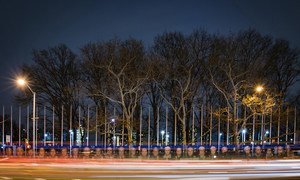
{"type": "Point", "coordinates": [28, 24]}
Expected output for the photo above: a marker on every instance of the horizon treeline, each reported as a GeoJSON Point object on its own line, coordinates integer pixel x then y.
{"type": "Point", "coordinates": [196, 74]}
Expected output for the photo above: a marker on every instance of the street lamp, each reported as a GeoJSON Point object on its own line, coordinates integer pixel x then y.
{"type": "Point", "coordinates": [219, 141]}
{"type": "Point", "coordinates": [267, 133]}
{"type": "Point", "coordinates": [113, 120]}
{"type": "Point", "coordinates": [45, 138]}
{"type": "Point", "coordinates": [259, 89]}
{"type": "Point", "coordinates": [167, 139]}
{"type": "Point", "coordinates": [71, 140]}
{"type": "Point", "coordinates": [23, 82]}
{"type": "Point", "coordinates": [162, 136]}
{"type": "Point", "coordinates": [244, 135]}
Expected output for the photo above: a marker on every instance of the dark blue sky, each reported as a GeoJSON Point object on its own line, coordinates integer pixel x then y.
{"type": "Point", "coordinates": [36, 24]}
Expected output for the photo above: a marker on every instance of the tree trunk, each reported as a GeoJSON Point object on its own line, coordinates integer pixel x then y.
{"type": "Point", "coordinates": [129, 134]}
{"type": "Point", "coordinates": [235, 121]}
{"type": "Point", "coordinates": [187, 124]}
{"type": "Point", "coordinates": [154, 108]}
{"type": "Point", "coordinates": [183, 135]}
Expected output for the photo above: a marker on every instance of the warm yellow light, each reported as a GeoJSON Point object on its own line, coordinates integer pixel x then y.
{"type": "Point", "coordinates": [259, 89]}
{"type": "Point", "coordinates": [21, 82]}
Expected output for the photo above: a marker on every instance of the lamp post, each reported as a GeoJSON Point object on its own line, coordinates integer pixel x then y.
{"type": "Point", "coordinates": [259, 89]}
{"type": "Point", "coordinates": [219, 141]}
{"type": "Point", "coordinates": [22, 82]}
{"type": "Point", "coordinates": [45, 138]}
{"type": "Point", "coordinates": [71, 140]}
{"type": "Point", "coordinates": [167, 139]}
{"type": "Point", "coordinates": [113, 120]}
{"type": "Point", "coordinates": [267, 134]}
{"type": "Point", "coordinates": [162, 136]}
{"type": "Point", "coordinates": [244, 135]}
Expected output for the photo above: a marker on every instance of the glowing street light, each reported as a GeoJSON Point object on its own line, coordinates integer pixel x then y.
{"type": "Point", "coordinates": [45, 138]}
{"type": "Point", "coordinates": [219, 141]}
{"type": "Point", "coordinates": [23, 82]}
{"type": "Point", "coordinates": [259, 89]}
{"type": "Point", "coordinates": [113, 120]}
{"type": "Point", "coordinates": [244, 135]}
{"type": "Point", "coordinates": [167, 139]}
{"type": "Point", "coordinates": [162, 136]}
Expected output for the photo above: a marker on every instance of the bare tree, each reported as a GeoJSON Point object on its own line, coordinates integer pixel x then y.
{"type": "Point", "coordinates": [55, 76]}
{"type": "Point", "coordinates": [182, 75]}
{"type": "Point", "coordinates": [233, 69]}
{"type": "Point", "coordinates": [123, 66]}
{"type": "Point", "coordinates": [282, 67]}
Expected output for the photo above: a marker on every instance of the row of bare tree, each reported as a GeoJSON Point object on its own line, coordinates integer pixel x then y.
{"type": "Point", "coordinates": [179, 71]}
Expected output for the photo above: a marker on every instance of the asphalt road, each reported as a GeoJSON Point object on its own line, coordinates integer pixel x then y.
{"type": "Point", "coordinates": [40, 169]}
